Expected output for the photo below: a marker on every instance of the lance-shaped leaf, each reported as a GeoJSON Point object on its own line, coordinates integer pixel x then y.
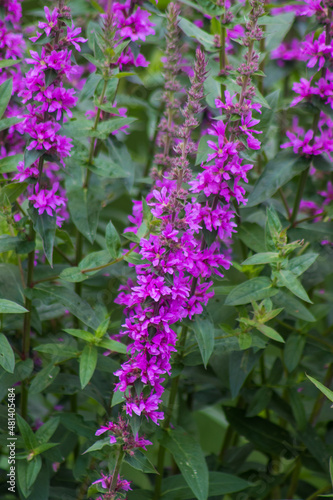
{"type": "Point", "coordinates": [88, 360]}
{"type": "Point", "coordinates": [7, 358]}
{"type": "Point", "coordinates": [45, 225]}
{"type": "Point", "coordinates": [254, 289]}
{"type": "Point", "coordinates": [289, 280]}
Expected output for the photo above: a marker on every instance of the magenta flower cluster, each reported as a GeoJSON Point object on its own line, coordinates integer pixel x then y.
{"type": "Point", "coordinates": [48, 102]}
{"type": "Point", "coordinates": [174, 278]}
{"type": "Point", "coordinates": [317, 52]}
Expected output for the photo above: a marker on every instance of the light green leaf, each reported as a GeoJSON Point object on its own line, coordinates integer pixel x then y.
{"type": "Point", "coordinates": [269, 332]}
{"type": "Point", "coordinates": [293, 306]}
{"type": "Point", "coordinates": [200, 35]}
{"type": "Point", "coordinates": [139, 461]}
{"type": "Point", "coordinates": [80, 334]}
{"type": "Point", "coordinates": [254, 289]}
{"type": "Point", "coordinates": [7, 358]}
{"type": "Point", "coordinates": [9, 163]}
{"type": "Point", "coordinates": [6, 63]}
{"type": "Point", "coordinates": [30, 440]}
{"type": "Point", "coordinates": [99, 445]}
{"type": "Point", "coordinates": [300, 264]}
{"type": "Point", "coordinates": [94, 259]}
{"type": "Point", "coordinates": [8, 122]}
{"type": "Point", "coordinates": [190, 459]}
{"type": "Point", "coordinates": [9, 307]}
{"type": "Point", "coordinates": [105, 128]}
{"type": "Point", "coordinates": [327, 392]}
{"type": "Point", "coordinates": [6, 89]}
{"type": "Point", "coordinates": [73, 275]}
{"type": "Point", "coordinates": [262, 258]}
{"type": "Point", "coordinates": [46, 431]}
{"type": "Point", "coordinates": [88, 361]}
{"type": "Point", "coordinates": [113, 345]}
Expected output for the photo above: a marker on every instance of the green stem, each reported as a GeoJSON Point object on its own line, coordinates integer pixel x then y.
{"type": "Point", "coordinates": [317, 493]}
{"type": "Point", "coordinates": [27, 322]}
{"type": "Point", "coordinates": [169, 412]}
{"type": "Point", "coordinates": [223, 58]}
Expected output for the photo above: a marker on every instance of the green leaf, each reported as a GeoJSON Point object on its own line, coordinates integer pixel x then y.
{"type": "Point", "coordinates": [300, 264]}
{"type": "Point", "coordinates": [139, 461]}
{"type": "Point", "coordinates": [99, 445]}
{"type": "Point", "coordinates": [293, 306]}
{"type": "Point", "coordinates": [327, 392]}
{"type": "Point", "coordinates": [69, 299]}
{"type": "Point", "coordinates": [8, 243]}
{"type": "Point", "coordinates": [254, 289]}
{"type": "Point", "coordinates": [102, 328]}
{"type": "Point", "coordinates": [105, 128]}
{"type": "Point", "coordinates": [259, 402]}
{"type": "Point", "coordinates": [43, 379]}
{"type": "Point", "coordinates": [266, 436]}
{"type": "Point", "coordinates": [113, 345]}
{"type": "Point", "coordinates": [84, 206]}
{"type": "Point", "coordinates": [252, 235]}
{"type": "Point", "coordinates": [27, 473]}
{"type": "Point", "coordinates": [94, 259]}
{"type": "Point", "coordinates": [276, 28]}
{"type": "Point", "coordinates": [6, 89]}
{"type": "Point", "coordinates": [58, 349]}
{"type": "Point", "coordinates": [277, 172]}
{"type": "Point", "coordinates": [204, 331]}
{"type": "Point", "coordinates": [6, 63]}
{"type": "Point", "coordinates": [46, 431]}
{"type": "Point", "coordinates": [7, 358]}
{"type": "Point", "coordinates": [220, 483]}
{"type": "Point", "coordinates": [90, 86]}
{"type": "Point", "coordinates": [269, 332]}
{"type": "Point", "coordinates": [240, 365]}
{"type": "Point", "coordinates": [201, 36]}
{"type": "Point", "coordinates": [297, 408]}
{"type": "Point", "coordinates": [13, 190]}
{"type": "Point", "coordinates": [8, 122]}
{"type": "Point", "coordinates": [190, 459]}
{"type": "Point", "coordinates": [262, 258]}
{"type": "Point", "coordinates": [331, 469]}
{"type": "Point", "coordinates": [88, 361]}
{"type": "Point", "coordinates": [73, 275]}
{"type": "Point", "coordinates": [45, 226]}
{"type": "Point", "coordinates": [9, 163]}
{"type": "Point", "coordinates": [9, 307]}
{"type": "Point", "coordinates": [112, 239]}
{"type": "Point", "coordinates": [29, 439]}
{"type": "Point", "coordinates": [289, 280]}
{"type": "Point", "coordinates": [80, 334]}
{"type": "Point", "coordinates": [293, 350]}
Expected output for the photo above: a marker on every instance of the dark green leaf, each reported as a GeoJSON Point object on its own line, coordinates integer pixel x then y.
{"type": "Point", "coordinates": [204, 331]}
{"type": "Point", "coordinates": [254, 289]}
{"type": "Point", "coordinates": [58, 349]}
{"type": "Point", "coordinates": [13, 190]}
{"type": "Point", "coordinates": [98, 445]}
{"type": "Point", "coordinates": [43, 379]}
{"type": "Point", "coordinates": [27, 473]}
{"type": "Point", "coordinates": [252, 235]}
{"type": "Point", "coordinates": [46, 431]}
{"type": "Point", "coordinates": [293, 350]}
{"type": "Point", "coordinates": [276, 28]}
{"type": "Point", "coordinates": [84, 206]}
{"type": "Point", "coordinates": [45, 225]}
{"type": "Point", "coordinates": [293, 306]}
{"type": "Point", "coordinates": [105, 128]}
{"type": "Point", "coordinates": [259, 402]}
{"type": "Point", "coordinates": [220, 483]}
{"type": "Point", "coordinates": [7, 358]}
{"type": "Point", "coordinates": [190, 459]}
{"type": "Point", "coordinates": [112, 240]}
{"type": "Point", "coordinates": [240, 365]}
{"type": "Point", "coordinates": [277, 172]}
{"type": "Point", "coordinates": [77, 306]}
{"type": "Point", "coordinates": [297, 408]}
{"type": "Point", "coordinates": [88, 360]}
{"type": "Point", "coordinates": [139, 461]}
{"type": "Point", "coordinates": [266, 436]}
{"type": "Point", "coordinates": [80, 334]}
{"type": "Point", "coordinates": [30, 440]}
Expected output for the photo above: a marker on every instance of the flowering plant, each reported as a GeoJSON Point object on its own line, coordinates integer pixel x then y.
{"type": "Point", "coordinates": [166, 204]}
